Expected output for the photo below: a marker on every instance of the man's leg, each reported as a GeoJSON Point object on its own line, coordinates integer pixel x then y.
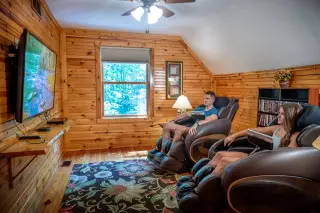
{"type": "Point", "coordinates": [177, 129]}
{"type": "Point", "coordinates": [179, 132]}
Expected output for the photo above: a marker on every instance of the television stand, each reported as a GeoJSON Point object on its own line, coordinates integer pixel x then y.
{"type": "Point", "coordinates": [16, 147]}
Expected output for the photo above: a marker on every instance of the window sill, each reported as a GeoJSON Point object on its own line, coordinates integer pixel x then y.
{"type": "Point", "coordinates": [104, 120]}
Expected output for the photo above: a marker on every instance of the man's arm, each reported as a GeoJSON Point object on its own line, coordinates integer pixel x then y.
{"type": "Point", "coordinates": [208, 119]}
{"type": "Point", "coordinates": [193, 129]}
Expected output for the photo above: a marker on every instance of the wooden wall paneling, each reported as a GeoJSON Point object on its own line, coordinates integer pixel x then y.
{"type": "Point", "coordinates": [64, 78]}
{"type": "Point", "coordinates": [151, 84]}
{"type": "Point", "coordinates": [314, 96]}
{"type": "Point", "coordinates": [90, 132]}
{"type": "Point", "coordinates": [64, 73]}
{"type": "Point", "coordinates": [98, 81]}
{"type": "Point", "coordinates": [15, 15]}
{"type": "Point", "coordinates": [245, 87]}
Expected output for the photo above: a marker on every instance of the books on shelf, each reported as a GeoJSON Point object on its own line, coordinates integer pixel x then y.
{"type": "Point", "coordinates": [265, 119]}
{"type": "Point", "coordinates": [269, 106]}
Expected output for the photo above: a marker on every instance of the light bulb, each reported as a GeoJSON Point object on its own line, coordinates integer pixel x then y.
{"type": "Point", "coordinates": [152, 19]}
{"type": "Point", "coordinates": [156, 11]}
{"type": "Point", "coordinates": [138, 13]}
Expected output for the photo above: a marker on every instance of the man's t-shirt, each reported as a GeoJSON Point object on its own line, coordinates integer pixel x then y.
{"type": "Point", "coordinates": [212, 111]}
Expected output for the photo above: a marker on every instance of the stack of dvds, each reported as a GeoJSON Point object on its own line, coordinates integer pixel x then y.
{"type": "Point", "coordinates": [265, 119]}
{"type": "Point", "coordinates": [268, 106]}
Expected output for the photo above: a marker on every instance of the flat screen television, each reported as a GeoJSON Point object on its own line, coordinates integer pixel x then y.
{"type": "Point", "coordinates": [35, 77]}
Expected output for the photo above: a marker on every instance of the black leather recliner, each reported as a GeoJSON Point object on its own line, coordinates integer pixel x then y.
{"type": "Point", "coordinates": [180, 156]}
{"type": "Point", "coordinates": [279, 181]}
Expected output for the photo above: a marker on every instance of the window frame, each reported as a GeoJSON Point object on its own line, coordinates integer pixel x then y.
{"type": "Point", "coordinates": [147, 83]}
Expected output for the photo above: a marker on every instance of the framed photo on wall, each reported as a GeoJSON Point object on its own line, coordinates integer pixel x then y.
{"type": "Point", "coordinates": [174, 79]}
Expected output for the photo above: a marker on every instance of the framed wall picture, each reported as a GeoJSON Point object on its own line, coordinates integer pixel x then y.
{"type": "Point", "coordinates": [174, 79]}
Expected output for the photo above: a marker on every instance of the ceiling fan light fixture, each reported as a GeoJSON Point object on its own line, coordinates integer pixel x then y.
{"type": "Point", "coordinates": [152, 19]}
{"type": "Point", "coordinates": [156, 11]}
{"type": "Point", "coordinates": [138, 13]}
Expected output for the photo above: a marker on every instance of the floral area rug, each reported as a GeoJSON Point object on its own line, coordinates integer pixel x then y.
{"type": "Point", "coordinates": [120, 187]}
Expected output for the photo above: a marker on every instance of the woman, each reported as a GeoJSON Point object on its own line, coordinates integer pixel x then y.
{"type": "Point", "coordinates": [283, 136]}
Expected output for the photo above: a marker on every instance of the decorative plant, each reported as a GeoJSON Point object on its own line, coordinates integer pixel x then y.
{"type": "Point", "coordinates": [283, 75]}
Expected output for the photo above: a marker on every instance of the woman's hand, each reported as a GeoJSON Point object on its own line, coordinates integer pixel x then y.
{"type": "Point", "coordinates": [193, 129]}
{"type": "Point", "coordinates": [229, 140]}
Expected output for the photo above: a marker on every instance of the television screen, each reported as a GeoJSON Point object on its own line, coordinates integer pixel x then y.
{"type": "Point", "coordinates": [36, 77]}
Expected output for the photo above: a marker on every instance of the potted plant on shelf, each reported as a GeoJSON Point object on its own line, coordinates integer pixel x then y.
{"type": "Point", "coordinates": [284, 77]}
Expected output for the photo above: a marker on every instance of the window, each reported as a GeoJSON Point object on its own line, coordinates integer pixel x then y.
{"type": "Point", "coordinates": [124, 89]}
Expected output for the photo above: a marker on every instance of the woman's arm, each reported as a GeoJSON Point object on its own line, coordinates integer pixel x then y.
{"type": "Point", "coordinates": [265, 130]}
{"type": "Point", "coordinates": [293, 140]}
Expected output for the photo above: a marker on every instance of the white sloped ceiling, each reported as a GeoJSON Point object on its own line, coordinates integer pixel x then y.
{"type": "Point", "coordinates": [229, 36]}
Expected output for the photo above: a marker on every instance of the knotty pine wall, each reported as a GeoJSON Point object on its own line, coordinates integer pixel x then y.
{"type": "Point", "coordinates": [245, 87]}
{"type": "Point", "coordinates": [88, 131]}
{"type": "Point", "coordinates": [30, 184]}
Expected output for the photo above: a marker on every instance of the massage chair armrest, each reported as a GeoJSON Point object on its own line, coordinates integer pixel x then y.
{"type": "Point", "coordinates": [220, 126]}
{"type": "Point", "coordinates": [240, 144]}
{"type": "Point", "coordinates": [300, 162]}
{"type": "Point", "coordinates": [186, 121]}
{"type": "Point", "coordinates": [296, 194]}
{"type": "Point", "coordinates": [200, 147]}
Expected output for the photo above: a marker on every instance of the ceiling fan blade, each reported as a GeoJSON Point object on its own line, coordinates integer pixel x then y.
{"type": "Point", "coordinates": [129, 12]}
{"type": "Point", "coordinates": [178, 1]}
{"type": "Point", "coordinates": [166, 12]}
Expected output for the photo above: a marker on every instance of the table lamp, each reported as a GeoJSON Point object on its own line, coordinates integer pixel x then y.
{"type": "Point", "coordinates": [182, 104]}
{"type": "Point", "coordinates": [316, 143]}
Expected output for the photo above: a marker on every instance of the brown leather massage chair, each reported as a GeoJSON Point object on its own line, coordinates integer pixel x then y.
{"type": "Point", "coordinates": [283, 180]}
{"type": "Point", "coordinates": [180, 158]}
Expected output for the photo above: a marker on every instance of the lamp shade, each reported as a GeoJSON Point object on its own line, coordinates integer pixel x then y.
{"type": "Point", "coordinates": [156, 11]}
{"type": "Point", "coordinates": [154, 14]}
{"type": "Point", "coordinates": [182, 103]}
{"type": "Point", "coordinates": [138, 13]}
{"type": "Point", "coordinates": [152, 19]}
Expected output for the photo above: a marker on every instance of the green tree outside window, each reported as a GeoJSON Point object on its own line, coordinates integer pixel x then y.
{"type": "Point", "coordinates": [124, 89]}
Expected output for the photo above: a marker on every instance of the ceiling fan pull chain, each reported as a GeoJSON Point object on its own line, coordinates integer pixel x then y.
{"type": "Point", "coordinates": [147, 28]}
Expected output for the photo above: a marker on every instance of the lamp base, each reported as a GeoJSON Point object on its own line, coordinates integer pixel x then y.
{"type": "Point", "coordinates": [180, 111]}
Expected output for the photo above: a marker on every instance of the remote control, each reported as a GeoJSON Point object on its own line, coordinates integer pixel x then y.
{"type": "Point", "coordinates": [44, 129]}
{"type": "Point", "coordinates": [27, 137]}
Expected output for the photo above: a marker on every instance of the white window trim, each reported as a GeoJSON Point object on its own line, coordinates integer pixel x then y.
{"type": "Point", "coordinates": [147, 83]}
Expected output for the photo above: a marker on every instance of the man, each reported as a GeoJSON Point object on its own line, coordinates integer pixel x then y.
{"type": "Point", "coordinates": [210, 113]}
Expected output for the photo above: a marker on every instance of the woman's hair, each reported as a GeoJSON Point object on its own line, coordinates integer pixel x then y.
{"type": "Point", "coordinates": [291, 112]}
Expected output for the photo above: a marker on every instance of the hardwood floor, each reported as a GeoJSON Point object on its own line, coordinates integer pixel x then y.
{"type": "Point", "coordinates": [57, 186]}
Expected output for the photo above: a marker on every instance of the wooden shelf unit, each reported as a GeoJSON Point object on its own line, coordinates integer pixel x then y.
{"type": "Point", "coordinates": [13, 147]}
{"type": "Point", "coordinates": [270, 99]}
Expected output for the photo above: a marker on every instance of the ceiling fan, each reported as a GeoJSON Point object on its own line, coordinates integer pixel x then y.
{"type": "Point", "coordinates": [154, 11]}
